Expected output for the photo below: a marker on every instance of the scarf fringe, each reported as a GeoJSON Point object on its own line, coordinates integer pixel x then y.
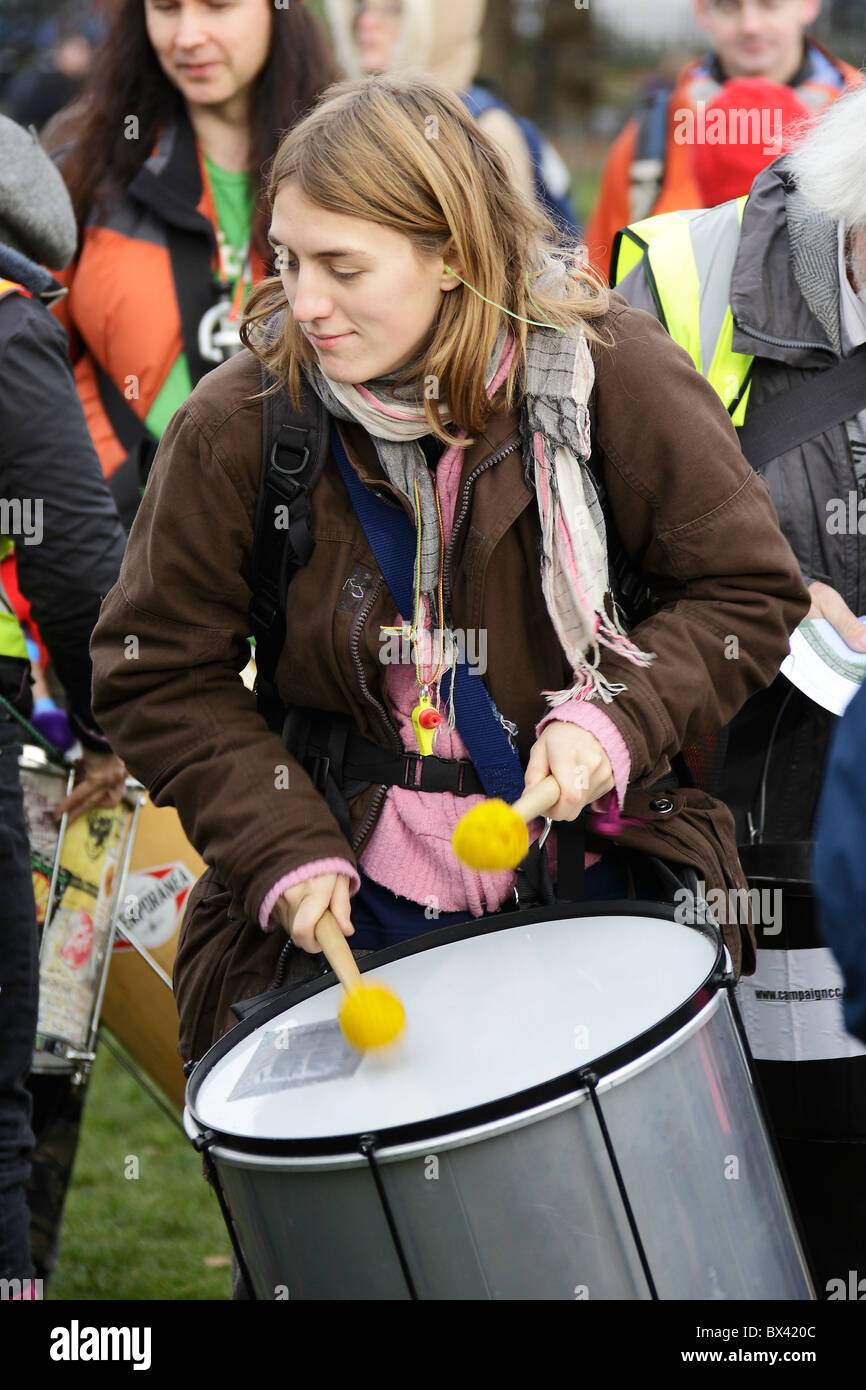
{"type": "Point", "coordinates": [589, 685]}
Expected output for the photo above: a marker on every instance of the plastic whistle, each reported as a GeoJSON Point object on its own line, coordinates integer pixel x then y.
{"type": "Point", "coordinates": [425, 722]}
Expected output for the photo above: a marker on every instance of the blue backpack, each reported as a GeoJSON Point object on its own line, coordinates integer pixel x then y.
{"type": "Point", "coordinates": [552, 179]}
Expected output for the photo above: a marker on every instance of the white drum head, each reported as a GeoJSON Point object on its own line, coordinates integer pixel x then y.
{"type": "Point", "coordinates": [486, 1017]}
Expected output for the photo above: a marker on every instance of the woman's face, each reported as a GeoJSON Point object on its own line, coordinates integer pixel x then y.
{"type": "Point", "coordinates": [211, 50]}
{"type": "Point", "coordinates": [361, 293]}
{"type": "Point", "coordinates": [377, 29]}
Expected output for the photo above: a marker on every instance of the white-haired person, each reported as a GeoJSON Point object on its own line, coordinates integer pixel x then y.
{"type": "Point", "coordinates": [769, 297]}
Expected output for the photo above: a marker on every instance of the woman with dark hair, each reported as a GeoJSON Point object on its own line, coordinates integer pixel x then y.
{"type": "Point", "coordinates": [163, 157]}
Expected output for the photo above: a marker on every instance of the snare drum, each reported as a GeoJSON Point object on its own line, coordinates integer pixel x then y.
{"type": "Point", "coordinates": [569, 1114]}
{"type": "Point", "coordinates": [79, 871]}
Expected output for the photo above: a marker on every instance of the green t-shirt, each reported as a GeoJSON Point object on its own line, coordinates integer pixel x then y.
{"type": "Point", "coordinates": [234, 201]}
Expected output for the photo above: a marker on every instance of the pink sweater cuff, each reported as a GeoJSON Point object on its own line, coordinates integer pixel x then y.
{"type": "Point", "coordinates": [602, 727]}
{"type": "Point", "coordinates": [311, 870]}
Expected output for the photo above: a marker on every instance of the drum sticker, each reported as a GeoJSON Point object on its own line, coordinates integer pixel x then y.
{"type": "Point", "coordinates": [153, 904]}
{"type": "Point", "coordinates": [42, 793]}
{"type": "Point", "coordinates": [72, 942]}
{"type": "Point", "coordinates": [792, 1008]}
{"type": "Point", "coordinates": [296, 1057]}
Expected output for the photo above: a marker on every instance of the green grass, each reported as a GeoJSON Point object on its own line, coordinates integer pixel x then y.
{"type": "Point", "coordinates": [137, 1238]}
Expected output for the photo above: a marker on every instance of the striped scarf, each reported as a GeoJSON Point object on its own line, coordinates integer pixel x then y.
{"type": "Point", "coordinates": [554, 426]}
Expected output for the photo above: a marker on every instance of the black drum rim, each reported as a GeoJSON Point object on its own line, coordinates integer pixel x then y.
{"type": "Point", "coordinates": [513, 1106]}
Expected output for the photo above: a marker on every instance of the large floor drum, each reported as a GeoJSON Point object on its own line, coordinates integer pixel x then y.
{"type": "Point", "coordinates": [569, 1114]}
{"type": "Point", "coordinates": [139, 1005]}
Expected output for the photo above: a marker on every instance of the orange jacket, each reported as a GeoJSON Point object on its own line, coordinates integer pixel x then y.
{"type": "Point", "coordinates": [699, 81]}
{"type": "Point", "coordinates": [122, 311]}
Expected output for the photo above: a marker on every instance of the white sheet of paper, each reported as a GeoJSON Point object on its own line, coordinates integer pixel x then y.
{"type": "Point", "coordinates": [823, 666]}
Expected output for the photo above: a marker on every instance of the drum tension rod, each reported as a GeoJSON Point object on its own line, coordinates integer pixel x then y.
{"type": "Point", "coordinates": [589, 1079]}
{"type": "Point", "coordinates": [367, 1146]}
{"type": "Point", "coordinates": [202, 1142]}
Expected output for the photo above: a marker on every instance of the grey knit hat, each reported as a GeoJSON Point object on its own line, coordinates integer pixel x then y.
{"type": "Point", "coordinates": [36, 215]}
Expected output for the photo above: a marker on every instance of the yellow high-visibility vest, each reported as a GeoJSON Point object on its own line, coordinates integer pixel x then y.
{"type": "Point", "coordinates": [688, 259]}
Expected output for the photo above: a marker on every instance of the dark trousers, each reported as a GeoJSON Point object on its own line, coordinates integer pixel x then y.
{"type": "Point", "coordinates": [19, 990]}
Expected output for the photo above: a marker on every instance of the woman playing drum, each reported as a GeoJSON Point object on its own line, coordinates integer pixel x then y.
{"type": "Point", "coordinates": [550, 449]}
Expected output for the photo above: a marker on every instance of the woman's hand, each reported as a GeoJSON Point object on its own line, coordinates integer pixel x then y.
{"type": "Point", "coordinates": [298, 909]}
{"type": "Point", "coordinates": [102, 785]}
{"type": "Point", "coordinates": [577, 761]}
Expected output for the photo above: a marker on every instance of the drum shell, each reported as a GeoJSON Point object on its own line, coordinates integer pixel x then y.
{"type": "Point", "coordinates": [79, 871]}
{"type": "Point", "coordinates": [528, 1207]}
{"type": "Point", "coordinates": [138, 1006]}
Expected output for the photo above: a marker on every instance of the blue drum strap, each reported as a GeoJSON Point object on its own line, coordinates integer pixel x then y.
{"type": "Point", "coordinates": [392, 541]}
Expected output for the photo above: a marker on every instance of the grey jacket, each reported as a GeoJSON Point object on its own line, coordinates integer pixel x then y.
{"type": "Point", "coordinates": [785, 299]}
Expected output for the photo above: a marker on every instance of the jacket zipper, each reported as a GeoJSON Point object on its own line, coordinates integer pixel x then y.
{"type": "Point", "coordinates": [507, 448]}
{"type": "Point", "coordinates": [363, 614]}
{"type": "Point", "coordinates": [780, 342]}
{"type": "Point", "coordinates": [390, 729]}
{"type": "Point", "coordinates": [282, 961]}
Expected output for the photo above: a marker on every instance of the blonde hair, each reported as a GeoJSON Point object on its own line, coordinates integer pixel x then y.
{"type": "Point", "coordinates": [407, 154]}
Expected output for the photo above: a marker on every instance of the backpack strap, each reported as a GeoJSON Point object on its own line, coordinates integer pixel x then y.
{"type": "Point", "coordinates": [804, 411]}
{"type": "Point", "coordinates": [647, 172]}
{"type": "Point", "coordinates": [550, 176]}
{"type": "Point", "coordinates": [126, 482]}
{"type": "Point", "coordinates": [294, 450]}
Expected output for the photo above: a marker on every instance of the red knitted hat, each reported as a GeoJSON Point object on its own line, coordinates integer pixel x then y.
{"type": "Point", "coordinates": [747, 125]}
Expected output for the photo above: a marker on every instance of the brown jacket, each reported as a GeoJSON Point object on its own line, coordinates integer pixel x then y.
{"type": "Point", "coordinates": [691, 515]}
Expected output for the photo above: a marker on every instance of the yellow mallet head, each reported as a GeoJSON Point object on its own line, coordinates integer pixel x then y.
{"type": "Point", "coordinates": [371, 1016]}
{"type": "Point", "coordinates": [491, 836]}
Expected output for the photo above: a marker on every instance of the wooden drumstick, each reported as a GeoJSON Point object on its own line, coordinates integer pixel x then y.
{"type": "Point", "coordinates": [338, 952]}
{"type": "Point", "coordinates": [538, 800]}
{"type": "Point", "coordinates": [370, 1015]}
{"type": "Point", "coordinates": [494, 835]}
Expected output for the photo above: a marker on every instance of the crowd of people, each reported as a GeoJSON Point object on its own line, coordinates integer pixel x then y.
{"type": "Point", "coordinates": [610, 447]}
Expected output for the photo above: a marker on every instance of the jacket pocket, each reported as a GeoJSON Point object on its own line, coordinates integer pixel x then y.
{"type": "Point", "coordinates": [687, 826]}
{"type": "Point", "coordinates": [207, 946]}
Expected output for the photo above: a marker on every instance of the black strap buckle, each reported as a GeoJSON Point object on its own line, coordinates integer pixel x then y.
{"type": "Point", "coordinates": [282, 445]}
{"type": "Point", "coordinates": [318, 765]}
{"type": "Point", "coordinates": [263, 611]}
{"type": "Point", "coordinates": [410, 765]}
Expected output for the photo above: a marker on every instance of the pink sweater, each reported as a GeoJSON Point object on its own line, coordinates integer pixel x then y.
{"type": "Point", "coordinates": [409, 851]}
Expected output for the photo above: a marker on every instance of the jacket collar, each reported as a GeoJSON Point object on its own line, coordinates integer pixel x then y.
{"type": "Point", "coordinates": [169, 182]}
{"type": "Point", "coordinates": [40, 282]}
{"type": "Point", "coordinates": [781, 299]}
{"type": "Point", "coordinates": [361, 451]}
